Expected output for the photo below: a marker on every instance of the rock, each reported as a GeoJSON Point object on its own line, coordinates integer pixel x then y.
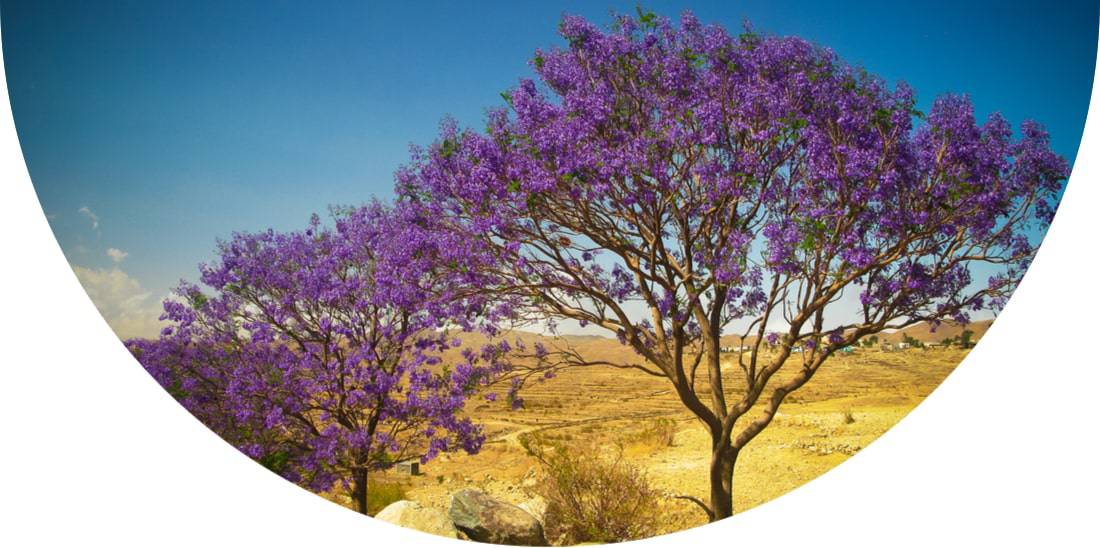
{"type": "Point", "coordinates": [486, 519]}
{"type": "Point", "coordinates": [413, 515]}
{"type": "Point", "coordinates": [530, 479]}
{"type": "Point", "coordinates": [536, 507]}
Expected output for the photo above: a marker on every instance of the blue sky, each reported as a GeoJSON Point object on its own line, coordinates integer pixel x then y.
{"type": "Point", "coordinates": [152, 129]}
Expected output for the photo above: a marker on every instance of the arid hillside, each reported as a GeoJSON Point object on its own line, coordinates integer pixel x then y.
{"type": "Point", "coordinates": [628, 414]}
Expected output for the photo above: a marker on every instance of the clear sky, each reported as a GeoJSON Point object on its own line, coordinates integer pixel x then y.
{"type": "Point", "coordinates": [151, 129]}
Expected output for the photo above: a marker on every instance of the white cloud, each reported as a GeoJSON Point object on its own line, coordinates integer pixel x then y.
{"type": "Point", "coordinates": [116, 255]}
{"type": "Point", "coordinates": [87, 212]}
{"type": "Point", "coordinates": [129, 309]}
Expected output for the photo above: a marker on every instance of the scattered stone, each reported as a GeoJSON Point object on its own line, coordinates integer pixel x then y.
{"type": "Point", "coordinates": [530, 479]}
{"type": "Point", "coordinates": [485, 519]}
{"type": "Point", "coordinates": [413, 515]}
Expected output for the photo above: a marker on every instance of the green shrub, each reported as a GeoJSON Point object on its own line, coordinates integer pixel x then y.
{"type": "Point", "coordinates": [592, 499]}
{"type": "Point", "coordinates": [381, 495]}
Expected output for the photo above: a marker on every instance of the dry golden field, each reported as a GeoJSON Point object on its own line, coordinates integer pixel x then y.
{"type": "Point", "coordinates": [852, 400]}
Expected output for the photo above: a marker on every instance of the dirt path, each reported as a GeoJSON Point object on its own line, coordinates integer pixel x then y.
{"type": "Point", "coordinates": [512, 438]}
{"type": "Point", "coordinates": [849, 404]}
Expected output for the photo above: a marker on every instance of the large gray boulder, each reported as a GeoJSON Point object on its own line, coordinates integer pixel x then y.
{"type": "Point", "coordinates": [413, 515]}
{"type": "Point", "coordinates": [486, 519]}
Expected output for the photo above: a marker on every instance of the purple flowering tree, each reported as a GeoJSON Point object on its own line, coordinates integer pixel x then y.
{"type": "Point", "coordinates": [319, 352]}
{"type": "Point", "coordinates": [673, 183]}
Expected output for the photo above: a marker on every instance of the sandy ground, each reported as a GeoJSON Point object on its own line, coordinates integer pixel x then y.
{"type": "Point", "coordinates": [848, 404]}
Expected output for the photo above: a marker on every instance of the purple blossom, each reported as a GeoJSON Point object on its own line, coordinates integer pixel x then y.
{"type": "Point", "coordinates": [311, 346]}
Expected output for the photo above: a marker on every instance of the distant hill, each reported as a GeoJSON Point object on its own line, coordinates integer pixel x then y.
{"type": "Point", "coordinates": [923, 331]}
{"type": "Point", "coordinates": [735, 340]}
{"type": "Point", "coordinates": [586, 338]}
{"type": "Point", "coordinates": [598, 347]}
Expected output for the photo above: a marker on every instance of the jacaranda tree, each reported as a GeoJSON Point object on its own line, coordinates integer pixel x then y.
{"type": "Point", "coordinates": [317, 352]}
{"type": "Point", "coordinates": [670, 183]}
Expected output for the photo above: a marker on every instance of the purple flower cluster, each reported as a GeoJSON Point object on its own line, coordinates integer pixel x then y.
{"type": "Point", "coordinates": [703, 166]}
{"type": "Point", "coordinates": [320, 352]}
{"type": "Point", "coordinates": [708, 176]}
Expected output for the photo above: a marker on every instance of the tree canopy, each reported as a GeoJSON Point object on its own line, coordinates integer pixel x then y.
{"type": "Point", "coordinates": [668, 182]}
{"type": "Point", "coordinates": [319, 352]}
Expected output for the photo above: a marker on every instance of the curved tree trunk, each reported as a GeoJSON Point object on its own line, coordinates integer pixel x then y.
{"type": "Point", "coordinates": [722, 461]}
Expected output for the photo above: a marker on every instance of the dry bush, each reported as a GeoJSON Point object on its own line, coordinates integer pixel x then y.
{"type": "Point", "coordinates": [660, 433]}
{"type": "Point", "coordinates": [849, 418]}
{"type": "Point", "coordinates": [592, 499]}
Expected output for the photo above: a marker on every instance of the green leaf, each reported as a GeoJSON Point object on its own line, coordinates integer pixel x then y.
{"type": "Point", "coordinates": [646, 18]}
{"type": "Point", "coordinates": [532, 201]}
{"type": "Point", "coordinates": [447, 148]}
{"type": "Point", "coordinates": [882, 117]}
{"type": "Point", "coordinates": [807, 243]}
{"type": "Point", "coordinates": [276, 462]}
{"type": "Point", "coordinates": [175, 389]}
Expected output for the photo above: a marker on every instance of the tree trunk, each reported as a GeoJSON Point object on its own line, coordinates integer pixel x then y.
{"type": "Point", "coordinates": [722, 461]}
{"type": "Point", "coordinates": [361, 491]}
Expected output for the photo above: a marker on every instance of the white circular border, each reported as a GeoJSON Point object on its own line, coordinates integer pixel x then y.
{"type": "Point", "coordinates": [92, 451]}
